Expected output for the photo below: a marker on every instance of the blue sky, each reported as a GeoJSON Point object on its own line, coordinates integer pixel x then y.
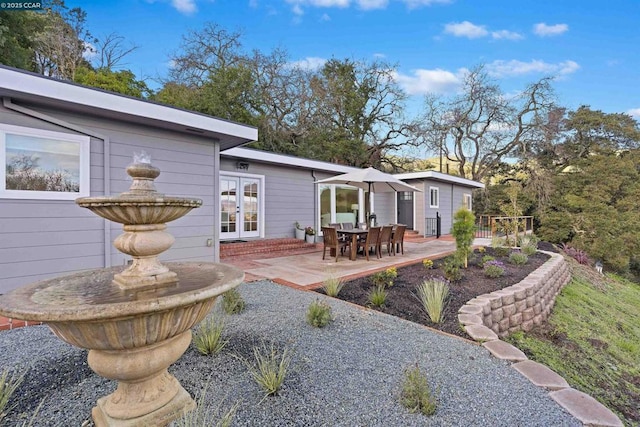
{"type": "Point", "coordinates": [590, 46]}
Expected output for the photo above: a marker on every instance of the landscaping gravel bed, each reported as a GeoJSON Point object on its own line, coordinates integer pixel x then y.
{"type": "Point", "coordinates": [347, 374]}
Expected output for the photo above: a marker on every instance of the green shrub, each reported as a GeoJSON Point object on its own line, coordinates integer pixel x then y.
{"type": "Point", "coordinates": [433, 295]}
{"type": "Point", "coordinates": [464, 231]}
{"type": "Point", "coordinates": [208, 337]}
{"type": "Point", "coordinates": [528, 249]}
{"type": "Point", "coordinates": [451, 268]}
{"type": "Point", "coordinates": [427, 263]}
{"type": "Point", "coordinates": [232, 302]}
{"type": "Point", "coordinates": [499, 248]}
{"type": "Point", "coordinates": [332, 286]}
{"type": "Point", "coordinates": [319, 314]}
{"type": "Point", "coordinates": [384, 278]}
{"type": "Point", "coordinates": [493, 269]}
{"type": "Point", "coordinates": [481, 250]}
{"type": "Point", "coordinates": [416, 395]}
{"type": "Point", "coordinates": [485, 259]}
{"type": "Point", "coordinates": [270, 369]}
{"type": "Point", "coordinates": [378, 296]}
{"type": "Point", "coordinates": [8, 385]}
{"type": "Point", "coordinates": [518, 258]}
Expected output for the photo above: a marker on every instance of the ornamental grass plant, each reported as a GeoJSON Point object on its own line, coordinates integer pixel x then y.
{"type": "Point", "coordinates": [270, 368]}
{"type": "Point", "coordinates": [9, 382]}
{"type": "Point", "coordinates": [433, 295]}
{"type": "Point", "coordinates": [319, 314]}
{"type": "Point", "coordinates": [378, 296]}
{"type": "Point", "coordinates": [232, 302]}
{"type": "Point", "coordinates": [332, 286]}
{"type": "Point", "coordinates": [416, 395]}
{"type": "Point", "coordinates": [208, 338]}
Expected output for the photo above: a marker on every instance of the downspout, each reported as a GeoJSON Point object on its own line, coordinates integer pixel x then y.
{"type": "Point", "coordinates": [6, 102]}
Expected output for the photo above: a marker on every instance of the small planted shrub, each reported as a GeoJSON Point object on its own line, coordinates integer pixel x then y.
{"type": "Point", "coordinates": [378, 296]}
{"type": "Point", "coordinates": [528, 249]}
{"type": "Point", "coordinates": [270, 368]}
{"type": "Point", "coordinates": [433, 295]}
{"type": "Point", "coordinates": [452, 269]}
{"type": "Point", "coordinates": [577, 254]}
{"type": "Point", "coordinates": [499, 248]}
{"type": "Point", "coordinates": [206, 414]}
{"type": "Point", "coordinates": [8, 385]}
{"type": "Point", "coordinates": [385, 278]}
{"type": "Point", "coordinates": [232, 302]}
{"type": "Point", "coordinates": [416, 395]}
{"type": "Point", "coordinates": [208, 337]}
{"type": "Point", "coordinates": [464, 231]}
{"type": "Point", "coordinates": [481, 250]}
{"type": "Point", "coordinates": [427, 263]}
{"type": "Point", "coordinates": [493, 269]}
{"type": "Point", "coordinates": [485, 259]}
{"type": "Point", "coordinates": [518, 258]}
{"type": "Point", "coordinates": [332, 286]}
{"type": "Point", "coordinates": [319, 314]}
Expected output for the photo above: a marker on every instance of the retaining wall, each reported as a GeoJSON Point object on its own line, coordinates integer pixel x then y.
{"type": "Point", "coordinates": [521, 306]}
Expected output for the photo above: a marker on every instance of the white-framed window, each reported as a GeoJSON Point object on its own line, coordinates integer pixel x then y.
{"type": "Point", "coordinates": [41, 164]}
{"type": "Point", "coordinates": [434, 197]}
{"type": "Point", "coordinates": [467, 201]}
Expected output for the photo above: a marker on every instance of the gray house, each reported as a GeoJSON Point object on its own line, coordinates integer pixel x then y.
{"type": "Point", "coordinates": [84, 138]}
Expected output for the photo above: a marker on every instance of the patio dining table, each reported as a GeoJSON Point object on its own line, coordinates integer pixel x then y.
{"type": "Point", "coordinates": [355, 234]}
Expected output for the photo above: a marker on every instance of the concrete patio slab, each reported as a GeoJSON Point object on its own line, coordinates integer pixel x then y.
{"type": "Point", "coordinates": [586, 408]}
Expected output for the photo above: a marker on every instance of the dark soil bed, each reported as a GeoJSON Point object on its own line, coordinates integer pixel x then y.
{"type": "Point", "coordinates": [402, 300]}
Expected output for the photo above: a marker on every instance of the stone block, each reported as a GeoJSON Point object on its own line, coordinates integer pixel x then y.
{"type": "Point", "coordinates": [487, 321]}
{"type": "Point", "coordinates": [537, 319]}
{"type": "Point", "coordinates": [471, 309]}
{"type": "Point", "coordinates": [469, 319]}
{"type": "Point", "coordinates": [585, 408]}
{"type": "Point", "coordinates": [541, 375]}
{"type": "Point", "coordinates": [516, 319]}
{"type": "Point", "coordinates": [504, 351]}
{"type": "Point", "coordinates": [504, 325]}
{"type": "Point", "coordinates": [495, 301]}
{"type": "Point", "coordinates": [514, 328]}
{"type": "Point", "coordinates": [537, 308]}
{"type": "Point", "coordinates": [497, 315]}
{"type": "Point", "coordinates": [520, 293]}
{"type": "Point", "coordinates": [480, 333]}
{"type": "Point", "coordinates": [521, 306]}
{"type": "Point", "coordinates": [527, 314]}
{"type": "Point", "coordinates": [531, 301]}
{"type": "Point", "coordinates": [507, 298]}
{"type": "Point", "coordinates": [527, 325]}
{"type": "Point", "coordinates": [509, 310]}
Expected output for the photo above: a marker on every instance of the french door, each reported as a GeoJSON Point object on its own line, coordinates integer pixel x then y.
{"type": "Point", "coordinates": [240, 206]}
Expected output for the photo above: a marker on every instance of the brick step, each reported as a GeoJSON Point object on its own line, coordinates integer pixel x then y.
{"type": "Point", "coordinates": [277, 246]}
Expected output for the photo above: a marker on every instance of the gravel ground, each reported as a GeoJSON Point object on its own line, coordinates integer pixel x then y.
{"type": "Point", "coordinates": [347, 374]}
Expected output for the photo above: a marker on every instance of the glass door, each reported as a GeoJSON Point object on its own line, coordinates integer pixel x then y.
{"type": "Point", "coordinates": [239, 207]}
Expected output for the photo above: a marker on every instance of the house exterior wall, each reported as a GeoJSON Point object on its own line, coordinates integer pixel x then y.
{"type": "Point", "coordinates": [47, 238]}
{"type": "Point", "coordinates": [290, 195]}
{"type": "Point", "coordinates": [385, 208]}
{"type": "Point", "coordinates": [451, 199]}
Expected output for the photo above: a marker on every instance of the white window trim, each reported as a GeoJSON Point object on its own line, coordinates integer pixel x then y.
{"type": "Point", "coordinates": [437, 205]}
{"type": "Point", "coordinates": [465, 197]}
{"type": "Point", "coordinates": [85, 167]}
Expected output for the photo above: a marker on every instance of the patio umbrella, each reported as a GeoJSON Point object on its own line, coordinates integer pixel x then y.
{"type": "Point", "coordinates": [370, 179]}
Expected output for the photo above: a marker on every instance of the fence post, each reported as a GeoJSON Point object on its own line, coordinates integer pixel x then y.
{"type": "Point", "coordinates": [437, 225]}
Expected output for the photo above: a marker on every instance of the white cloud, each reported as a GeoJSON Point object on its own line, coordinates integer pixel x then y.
{"type": "Point", "coordinates": [413, 4]}
{"type": "Point", "coordinates": [325, 17]}
{"type": "Point", "coordinates": [185, 6]}
{"type": "Point", "coordinates": [507, 35]}
{"type": "Point", "coordinates": [89, 51]}
{"type": "Point", "coordinates": [309, 63]}
{"type": "Point", "coordinates": [297, 10]}
{"type": "Point", "coordinates": [544, 30]}
{"type": "Point", "coordinates": [501, 68]}
{"type": "Point", "coordinates": [465, 29]}
{"type": "Point", "coordinates": [372, 4]}
{"type": "Point", "coordinates": [634, 112]}
{"type": "Point", "coordinates": [379, 55]}
{"type": "Point", "coordinates": [424, 81]}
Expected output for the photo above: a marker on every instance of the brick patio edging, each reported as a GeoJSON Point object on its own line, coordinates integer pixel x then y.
{"type": "Point", "coordinates": [520, 307]}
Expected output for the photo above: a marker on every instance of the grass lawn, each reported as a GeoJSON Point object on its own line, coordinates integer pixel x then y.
{"type": "Point", "coordinates": [592, 339]}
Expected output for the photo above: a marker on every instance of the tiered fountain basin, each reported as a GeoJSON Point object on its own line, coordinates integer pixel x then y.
{"type": "Point", "coordinates": [135, 321]}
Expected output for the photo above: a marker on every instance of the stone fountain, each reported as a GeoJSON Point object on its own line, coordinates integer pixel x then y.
{"type": "Point", "coordinates": [135, 321]}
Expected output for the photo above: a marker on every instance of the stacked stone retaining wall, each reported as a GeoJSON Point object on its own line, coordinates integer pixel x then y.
{"type": "Point", "coordinates": [521, 306]}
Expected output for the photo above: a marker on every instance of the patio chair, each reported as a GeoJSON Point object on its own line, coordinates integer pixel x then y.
{"type": "Point", "coordinates": [385, 239]}
{"type": "Point", "coordinates": [398, 239]}
{"type": "Point", "coordinates": [336, 225]}
{"type": "Point", "coordinates": [347, 226]}
{"type": "Point", "coordinates": [332, 242]}
{"type": "Point", "coordinates": [371, 242]}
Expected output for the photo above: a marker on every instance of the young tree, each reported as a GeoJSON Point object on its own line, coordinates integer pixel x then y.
{"type": "Point", "coordinates": [464, 231]}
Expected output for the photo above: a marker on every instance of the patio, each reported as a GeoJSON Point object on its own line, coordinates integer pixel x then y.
{"type": "Point", "coordinates": [307, 270]}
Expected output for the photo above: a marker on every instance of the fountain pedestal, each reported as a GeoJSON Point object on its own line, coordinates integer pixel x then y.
{"type": "Point", "coordinates": [135, 321]}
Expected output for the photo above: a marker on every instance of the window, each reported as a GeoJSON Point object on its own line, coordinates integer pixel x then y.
{"type": "Point", "coordinates": [41, 164]}
{"type": "Point", "coordinates": [467, 201]}
{"type": "Point", "coordinates": [434, 197]}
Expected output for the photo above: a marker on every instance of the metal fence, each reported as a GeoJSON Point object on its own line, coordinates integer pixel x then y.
{"type": "Point", "coordinates": [432, 226]}
{"type": "Point", "coordinates": [490, 226]}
